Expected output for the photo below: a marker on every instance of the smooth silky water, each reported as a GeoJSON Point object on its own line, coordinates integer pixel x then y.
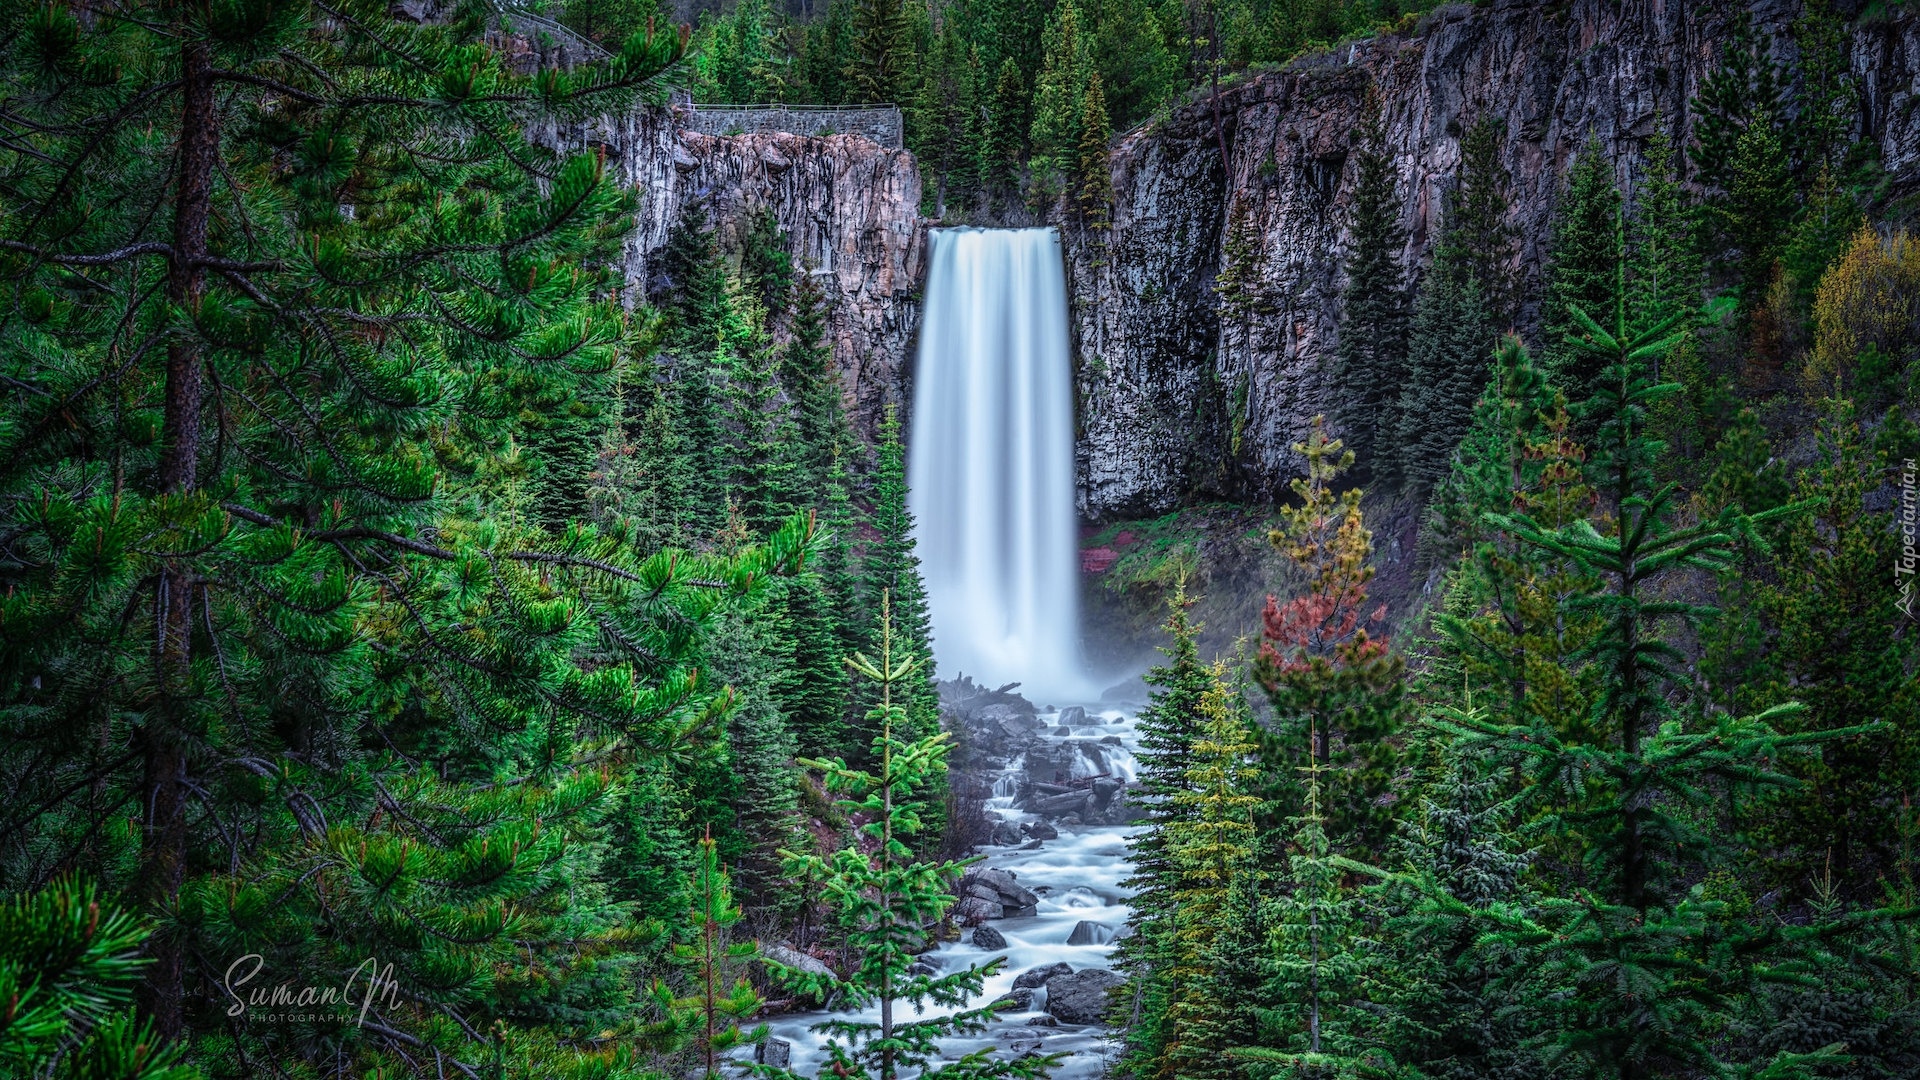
{"type": "Point", "coordinates": [990, 474]}
{"type": "Point", "coordinates": [1077, 877]}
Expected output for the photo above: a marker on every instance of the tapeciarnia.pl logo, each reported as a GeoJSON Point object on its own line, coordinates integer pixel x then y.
{"type": "Point", "coordinates": [291, 1003]}
{"type": "Point", "coordinates": [1903, 565]}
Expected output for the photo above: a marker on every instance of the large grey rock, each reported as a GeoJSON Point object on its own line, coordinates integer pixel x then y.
{"type": "Point", "coordinates": [1006, 833]}
{"type": "Point", "coordinates": [986, 937]}
{"type": "Point", "coordinates": [1082, 997]}
{"type": "Point", "coordinates": [1088, 932]}
{"type": "Point", "coordinates": [1040, 830]}
{"type": "Point", "coordinates": [1033, 977]}
{"type": "Point", "coordinates": [1054, 805]}
{"type": "Point", "coordinates": [997, 885]}
{"type": "Point", "coordinates": [775, 1052]}
{"type": "Point", "coordinates": [1019, 999]}
{"type": "Point", "coordinates": [1073, 714]}
{"type": "Point", "coordinates": [972, 911]}
{"type": "Point", "coordinates": [786, 956]}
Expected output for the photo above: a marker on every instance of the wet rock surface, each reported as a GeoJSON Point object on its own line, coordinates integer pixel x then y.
{"type": "Point", "coordinates": [1082, 997]}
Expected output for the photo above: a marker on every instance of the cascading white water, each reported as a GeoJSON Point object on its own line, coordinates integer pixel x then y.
{"type": "Point", "coordinates": [990, 473]}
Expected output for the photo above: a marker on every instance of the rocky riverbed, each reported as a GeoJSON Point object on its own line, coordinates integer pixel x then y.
{"type": "Point", "coordinates": [1048, 900]}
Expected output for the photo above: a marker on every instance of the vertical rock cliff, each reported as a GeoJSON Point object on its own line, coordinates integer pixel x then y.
{"type": "Point", "coordinates": [1174, 405]}
{"type": "Point", "coordinates": [849, 207]}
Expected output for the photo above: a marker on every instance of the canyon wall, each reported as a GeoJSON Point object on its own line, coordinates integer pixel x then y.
{"type": "Point", "coordinates": [1174, 405]}
{"type": "Point", "coordinates": [850, 209]}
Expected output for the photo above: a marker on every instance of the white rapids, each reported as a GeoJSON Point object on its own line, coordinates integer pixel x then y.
{"type": "Point", "coordinates": [1077, 877]}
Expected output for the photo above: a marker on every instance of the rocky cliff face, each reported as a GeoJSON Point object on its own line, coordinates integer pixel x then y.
{"type": "Point", "coordinates": [1173, 404]}
{"type": "Point", "coordinates": [849, 206]}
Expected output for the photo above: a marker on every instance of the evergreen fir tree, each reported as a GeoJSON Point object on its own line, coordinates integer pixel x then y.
{"type": "Point", "coordinates": [1758, 207]}
{"type": "Point", "coordinates": [1745, 88]}
{"type": "Point", "coordinates": [892, 570]}
{"type": "Point", "coordinates": [1447, 351]}
{"type": "Point", "coordinates": [1373, 314]}
{"type": "Point", "coordinates": [812, 384]}
{"type": "Point", "coordinates": [1059, 104]}
{"type": "Point", "coordinates": [1094, 169]}
{"type": "Point", "coordinates": [1663, 271]}
{"type": "Point", "coordinates": [1337, 690]}
{"type": "Point", "coordinates": [1584, 265]}
{"type": "Point", "coordinates": [766, 270]}
{"type": "Point", "coordinates": [947, 113]}
{"type": "Point", "coordinates": [883, 60]}
{"type": "Point", "coordinates": [1478, 242]}
{"type": "Point", "coordinates": [1210, 842]}
{"type": "Point", "coordinates": [885, 901]}
{"type": "Point", "coordinates": [722, 999]}
{"type": "Point", "coordinates": [650, 843]}
{"type": "Point", "coordinates": [1004, 147]}
{"type": "Point", "coordinates": [1167, 728]}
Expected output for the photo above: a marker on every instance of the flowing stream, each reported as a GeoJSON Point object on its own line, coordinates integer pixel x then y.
{"type": "Point", "coordinates": [1077, 877]}
{"type": "Point", "coordinates": [990, 481]}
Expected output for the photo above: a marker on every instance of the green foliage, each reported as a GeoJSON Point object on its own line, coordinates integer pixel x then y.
{"type": "Point", "coordinates": [1584, 265]}
{"type": "Point", "coordinates": [722, 999]}
{"type": "Point", "coordinates": [884, 901]}
{"type": "Point", "coordinates": [68, 969]}
{"type": "Point", "coordinates": [1059, 104]}
{"type": "Point", "coordinates": [1451, 337]}
{"type": "Point", "coordinates": [1373, 313]}
{"type": "Point", "coordinates": [1337, 691]}
{"type": "Point", "coordinates": [881, 63]}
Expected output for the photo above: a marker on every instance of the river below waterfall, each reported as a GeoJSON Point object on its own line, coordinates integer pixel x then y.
{"type": "Point", "coordinates": [1076, 877]}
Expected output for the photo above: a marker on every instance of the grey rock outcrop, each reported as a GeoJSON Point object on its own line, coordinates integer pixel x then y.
{"type": "Point", "coordinates": [992, 885]}
{"type": "Point", "coordinates": [1088, 932]}
{"type": "Point", "coordinates": [1019, 999]}
{"type": "Point", "coordinates": [1176, 405]}
{"type": "Point", "coordinates": [849, 206]}
{"type": "Point", "coordinates": [986, 937]}
{"type": "Point", "coordinates": [1037, 977]}
{"type": "Point", "coordinates": [1082, 997]}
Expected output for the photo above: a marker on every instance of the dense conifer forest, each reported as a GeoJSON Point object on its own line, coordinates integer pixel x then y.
{"type": "Point", "coordinates": [393, 601]}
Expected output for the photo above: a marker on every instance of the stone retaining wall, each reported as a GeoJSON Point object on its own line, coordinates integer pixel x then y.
{"type": "Point", "coordinates": [881, 123]}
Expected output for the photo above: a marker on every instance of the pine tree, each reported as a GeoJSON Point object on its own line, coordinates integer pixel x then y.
{"type": "Point", "coordinates": [883, 61]}
{"type": "Point", "coordinates": [949, 117]}
{"type": "Point", "coordinates": [650, 843]}
{"type": "Point", "coordinates": [69, 966]}
{"type": "Point", "coordinates": [826, 56]}
{"type": "Point", "coordinates": [766, 270]}
{"type": "Point", "coordinates": [1167, 729]}
{"type": "Point", "coordinates": [340, 355]}
{"type": "Point", "coordinates": [1373, 313]}
{"type": "Point", "coordinates": [1093, 171]}
{"type": "Point", "coordinates": [1210, 840]}
{"type": "Point", "coordinates": [1447, 367]}
{"type": "Point", "coordinates": [1059, 104]}
{"type": "Point", "coordinates": [763, 471]}
{"type": "Point", "coordinates": [1337, 690]}
{"type": "Point", "coordinates": [885, 902]}
{"type": "Point", "coordinates": [1584, 265]}
{"type": "Point", "coordinates": [1478, 243]}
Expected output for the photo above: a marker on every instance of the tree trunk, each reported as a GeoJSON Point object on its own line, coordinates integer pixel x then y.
{"type": "Point", "coordinates": [164, 844]}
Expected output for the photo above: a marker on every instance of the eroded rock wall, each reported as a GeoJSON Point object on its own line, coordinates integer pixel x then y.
{"type": "Point", "coordinates": [849, 206]}
{"type": "Point", "coordinates": [1176, 406]}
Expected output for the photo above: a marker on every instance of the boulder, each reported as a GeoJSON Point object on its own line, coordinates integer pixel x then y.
{"type": "Point", "coordinates": [787, 956]}
{"type": "Point", "coordinates": [1019, 999]}
{"type": "Point", "coordinates": [775, 1052]}
{"type": "Point", "coordinates": [1038, 976]}
{"type": "Point", "coordinates": [1026, 912]}
{"type": "Point", "coordinates": [921, 967]}
{"type": "Point", "coordinates": [1088, 932]}
{"type": "Point", "coordinates": [1006, 833]}
{"type": "Point", "coordinates": [1081, 997]}
{"type": "Point", "coordinates": [1040, 830]}
{"type": "Point", "coordinates": [1110, 740]}
{"type": "Point", "coordinates": [986, 937]}
{"type": "Point", "coordinates": [1043, 1021]}
{"type": "Point", "coordinates": [996, 885]}
{"type": "Point", "coordinates": [972, 911]}
{"type": "Point", "coordinates": [1063, 730]}
{"type": "Point", "coordinates": [1073, 714]}
{"type": "Point", "coordinates": [1071, 803]}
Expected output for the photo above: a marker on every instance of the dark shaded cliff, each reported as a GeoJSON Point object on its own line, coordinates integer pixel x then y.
{"type": "Point", "coordinates": [1175, 406]}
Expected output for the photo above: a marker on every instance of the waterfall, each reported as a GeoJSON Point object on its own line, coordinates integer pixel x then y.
{"type": "Point", "coordinates": [990, 468]}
